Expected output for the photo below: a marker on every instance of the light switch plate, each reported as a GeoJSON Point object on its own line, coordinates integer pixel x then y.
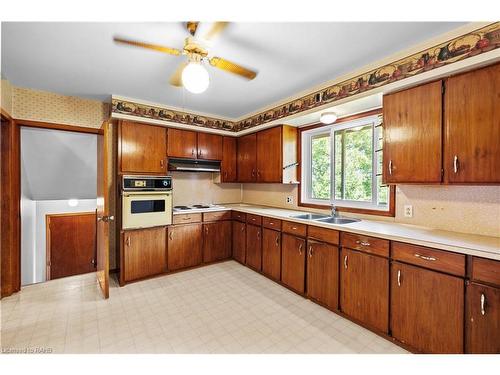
{"type": "Point", "coordinates": [408, 210]}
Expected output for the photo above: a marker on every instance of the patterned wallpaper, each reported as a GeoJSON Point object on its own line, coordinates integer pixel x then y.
{"type": "Point", "coordinates": [49, 107]}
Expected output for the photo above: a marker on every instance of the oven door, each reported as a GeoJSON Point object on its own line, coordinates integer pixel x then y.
{"type": "Point", "coordinates": [146, 209]}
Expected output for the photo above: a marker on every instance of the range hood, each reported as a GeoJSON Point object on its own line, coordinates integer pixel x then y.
{"type": "Point", "coordinates": [193, 165]}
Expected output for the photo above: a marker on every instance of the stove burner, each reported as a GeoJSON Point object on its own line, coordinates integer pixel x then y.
{"type": "Point", "coordinates": [200, 206]}
{"type": "Point", "coordinates": [182, 207]}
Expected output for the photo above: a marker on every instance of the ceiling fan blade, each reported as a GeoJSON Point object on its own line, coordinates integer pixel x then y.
{"type": "Point", "coordinates": [176, 78]}
{"type": "Point", "coordinates": [215, 30]}
{"type": "Point", "coordinates": [155, 47]}
{"type": "Point", "coordinates": [229, 66]}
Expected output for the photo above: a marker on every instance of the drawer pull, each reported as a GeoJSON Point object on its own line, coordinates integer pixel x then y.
{"type": "Point", "coordinates": [294, 228]}
{"type": "Point", "coordinates": [300, 249]}
{"type": "Point", "coordinates": [186, 218]}
{"type": "Point", "coordinates": [432, 259]}
{"type": "Point", "coordinates": [363, 243]}
{"type": "Point", "coordinates": [399, 277]}
{"type": "Point", "coordinates": [310, 251]}
{"type": "Point", "coordinates": [483, 301]}
{"type": "Point", "coordinates": [345, 262]}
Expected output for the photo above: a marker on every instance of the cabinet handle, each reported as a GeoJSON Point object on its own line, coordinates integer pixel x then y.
{"type": "Point", "coordinates": [310, 251]}
{"type": "Point", "coordinates": [206, 229]}
{"type": "Point", "coordinates": [399, 277]}
{"type": "Point", "coordinates": [161, 163]}
{"type": "Point", "coordinates": [362, 243]}
{"type": "Point", "coordinates": [258, 173]}
{"type": "Point", "coordinates": [483, 301]}
{"type": "Point", "coordinates": [258, 234]}
{"type": "Point", "coordinates": [199, 152]}
{"type": "Point", "coordinates": [225, 174]}
{"type": "Point", "coordinates": [170, 233]}
{"type": "Point", "coordinates": [253, 172]}
{"type": "Point", "coordinates": [192, 152]}
{"type": "Point", "coordinates": [390, 167]}
{"type": "Point", "coordinates": [243, 227]}
{"type": "Point", "coordinates": [128, 241]}
{"type": "Point", "coordinates": [277, 240]}
{"type": "Point", "coordinates": [345, 262]}
{"type": "Point", "coordinates": [432, 259]}
{"type": "Point", "coordinates": [300, 249]}
{"type": "Point", "coordinates": [186, 218]}
{"type": "Point", "coordinates": [455, 164]}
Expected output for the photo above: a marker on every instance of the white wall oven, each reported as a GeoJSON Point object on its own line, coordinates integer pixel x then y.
{"type": "Point", "coordinates": [146, 201]}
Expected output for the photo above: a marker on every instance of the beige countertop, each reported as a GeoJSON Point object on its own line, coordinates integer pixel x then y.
{"type": "Point", "coordinates": [471, 244]}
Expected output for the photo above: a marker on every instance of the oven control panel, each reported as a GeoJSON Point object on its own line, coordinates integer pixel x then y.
{"type": "Point", "coordinates": [146, 183]}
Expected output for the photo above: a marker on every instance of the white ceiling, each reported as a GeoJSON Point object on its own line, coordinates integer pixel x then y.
{"type": "Point", "coordinates": [58, 164]}
{"type": "Point", "coordinates": [80, 59]}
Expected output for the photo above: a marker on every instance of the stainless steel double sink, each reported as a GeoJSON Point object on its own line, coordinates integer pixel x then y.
{"type": "Point", "coordinates": [325, 218]}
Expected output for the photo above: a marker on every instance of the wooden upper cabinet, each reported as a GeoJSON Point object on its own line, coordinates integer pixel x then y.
{"type": "Point", "coordinates": [143, 148]}
{"type": "Point", "coordinates": [247, 158]}
{"type": "Point", "coordinates": [427, 309]}
{"type": "Point", "coordinates": [472, 127]}
{"type": "Point", "coordinates": [269, 155]}
{"type": "Point", "coordinates": [182, 143]}
{"type": "Point", "coordinates": [144, 253]}
{"type": "Point", "coordinates": [413, 135]}
{"type": "Point", "coordinates": [482, 319]}
{"type": "Point", "coordinates": [229, 159]}
{"type": "Point", "coordinates": [209, 146]}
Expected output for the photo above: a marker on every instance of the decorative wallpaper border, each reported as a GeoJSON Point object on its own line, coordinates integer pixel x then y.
{"type": "Point", "coordinates": [460, 48]}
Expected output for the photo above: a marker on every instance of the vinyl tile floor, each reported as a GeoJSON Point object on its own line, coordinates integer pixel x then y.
{"type": "Point", "coordinates": [221, 308]}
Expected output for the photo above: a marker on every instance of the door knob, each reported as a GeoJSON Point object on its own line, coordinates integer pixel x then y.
{"type": "Point", "coordinates": [106, 218]}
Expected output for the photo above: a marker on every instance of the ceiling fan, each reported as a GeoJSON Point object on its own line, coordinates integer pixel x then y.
{"type": "Point", "coordinates": [192, 74]}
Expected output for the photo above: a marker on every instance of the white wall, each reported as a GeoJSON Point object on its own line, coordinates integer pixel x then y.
{"type": "Point", "coordinates": [33, 263]}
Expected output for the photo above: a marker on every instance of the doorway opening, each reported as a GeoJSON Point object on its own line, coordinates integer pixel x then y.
{"type": "Point", "coordinates": [58, 203]}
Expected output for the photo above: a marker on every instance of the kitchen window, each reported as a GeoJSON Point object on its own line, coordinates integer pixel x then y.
{"type": "Point", "coordinates": [342, 165]}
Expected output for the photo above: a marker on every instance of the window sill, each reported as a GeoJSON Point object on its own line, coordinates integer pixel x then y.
{"type": "Point", "coordinates": [364, 211]}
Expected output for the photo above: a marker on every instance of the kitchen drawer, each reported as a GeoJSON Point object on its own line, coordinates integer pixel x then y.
{"type": "Point", "coordinates": [294, 228]}
{"type": "Point", "coordinates": [217, 215]}
{"type": "Point", "coordinates": [486, 270]}
{"type": "Point", "coordinates": [438, 260]}
{"type": "Point", "coordinates": [240, 216]}
{"type": "Point", "coordinates": [187, 218]}
{"type": "Point", "coordinates": [371, 245]}
{"type": "Point", "coordinates": [323, 234]}
{"type": "Point", "coordinates": [254, 219]}
{"type": "Point", "coordinates": [270, 223]}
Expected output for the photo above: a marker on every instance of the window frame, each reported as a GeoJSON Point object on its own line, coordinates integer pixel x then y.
{"type": "Point", "coordinates": [306, 135]}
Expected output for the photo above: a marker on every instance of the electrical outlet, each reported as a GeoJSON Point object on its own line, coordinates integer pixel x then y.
{"type": "Point", "coordinates": [408, 210]}
{"type": "Point", "coordinates": [289, 199]}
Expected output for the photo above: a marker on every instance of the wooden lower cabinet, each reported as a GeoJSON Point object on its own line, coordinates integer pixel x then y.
{"type": "Point", "coordinates": [184, 247]}
{"type": "Point", "coordinates": [254, 247]}
{"type": "Point", "coordinates": [216, 241]}
{"type": "Point", "coordinates": [482, 319]}
{"type": "Point", "coordinates": [271, 253]}
{"type": "Point", "coordinates": [427, 309]}
{"type": "Point", "coordinates": [239, 241]}
{"type": "Point", "coordinates": [364, 288]}
{"type": "Point", "coordinates": [323, 273]}
{"type": "Point", "coordinates": [293, 262]}
{"type": "Point", "coordinates": [144, 253]}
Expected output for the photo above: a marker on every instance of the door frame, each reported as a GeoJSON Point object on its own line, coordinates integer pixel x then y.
{"type": "Point", "coordinates": [11, 186]}
{"type": "Point", "coordinates": [48, 250]}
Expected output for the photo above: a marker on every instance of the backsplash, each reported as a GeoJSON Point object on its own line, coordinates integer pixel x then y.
{"type": "Point", "coordinates": [191, 188]}
{"type": "Point", "coordinates": [466, 209]}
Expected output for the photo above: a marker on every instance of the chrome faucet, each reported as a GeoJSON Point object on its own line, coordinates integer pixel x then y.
{"type": "Point", "coordinates": [334, 211]}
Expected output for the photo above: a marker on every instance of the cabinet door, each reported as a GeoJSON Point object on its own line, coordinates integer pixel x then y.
{"type": "Point", "coordinates": [181, 143]}
{"type": "Point", "coordinates": [323, 273]}
{"type": "Point", "coordinates": [254, 247]}
{"type": "Point", "coordinates": [269, 155]}
{"type": "Point", "coordinates": [247, 158]}
{"type": "Point", "coordinates": [271, 253]}
{"type": "Point", "coordinates": [143, 148]}
{"type": "Point", "coordinates": [209, 146]}
{"type": "Point", "coordinates": [412, 134]}
{"type": "Point", "coordinates": [472, 127]}
{"type": "Point", "coordinates": [229, 159]}
{"type": "Point", "coordinates": [184, 246]}
{"type": "Point", "coordinates": [482, 319]}
{"type": "Point", "coordinates": [144, 252]}
{"type": "Point", "coordinates": [364, 288]}
{"type": "Point", "coordinates": [293, 262]}
{"type": "Point", "coordinates": [216, 241]}
{"type": "Point", "coordinates": [239, 241]}
{"type": "Point", "coordinates": [427, 309]}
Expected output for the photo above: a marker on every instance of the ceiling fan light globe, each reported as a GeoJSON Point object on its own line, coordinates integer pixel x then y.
{"type": "Point", "coordinates": [195, 78]}
{"type": "Point", "coordinates": [328, 118]}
